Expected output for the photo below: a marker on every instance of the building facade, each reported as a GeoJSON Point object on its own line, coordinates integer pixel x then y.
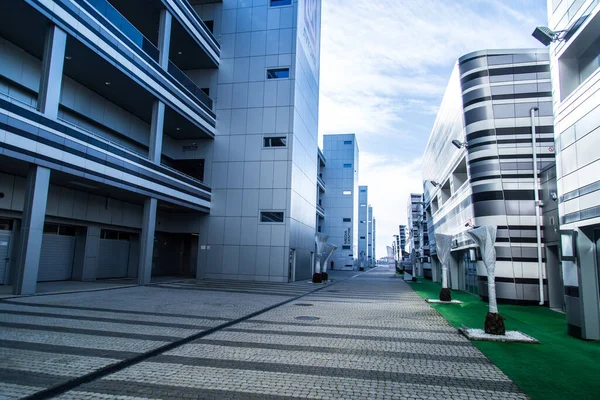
{"type": "Point", "coordinates": [415, 214]}
{"type": "Point", "coordinates": [575, 86]}
{"type": "Point", "coordinates": [489, 178]}
{"type": "Point", "coordinates": [341, 198]}
{"type": "Point", "coordinates": [363, 248]}
{"type": "Point", "coordinates": [144, 138]}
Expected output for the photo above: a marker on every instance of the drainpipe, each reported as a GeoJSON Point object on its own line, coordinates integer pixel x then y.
{"type": "Point", "coordinates": [538, 228]}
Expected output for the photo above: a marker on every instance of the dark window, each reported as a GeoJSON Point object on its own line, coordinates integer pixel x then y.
{"type": "Point", "coordinates": [115, 235]}
{"type": "Point", "coordinates": [279, 3]}
{"type": "Point", "coordinates": [362, 237]}
{"type": "Point", "coordinates": [363, 190]}
{"type": "Point", "coordinates": [347, 219]}
{"type": "Point", "coordinates": [275, 141]}
{"type": "Point", "coordinates": [66, 230]}
{"type": "Point", "coordinates": [345, 247]}
{"type": "Point", "coordinates": [347, 165]}
{"type": "Point", "coordinates": [210, 25]}
{"type": "Point", "coordinates": [271, 216]}
{"type": "Point", "coordinates": [278, 73]}
{"type": "Point", "coordinates": [193, 168]}
{"type": "Point", "coordinates": [347, 141]}
{"type": "Point", "coordinates": [6, 224]}
{"type": "Point", "coordinates": [206, 91]}
{"type": "Point", "coordinates": [51, 229]}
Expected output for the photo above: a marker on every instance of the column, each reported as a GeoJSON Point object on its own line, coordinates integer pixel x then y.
{"type": "Point", "coordinates": [147, 242]}
{"type": "Point", "coordinates": [32, 230]}
{"type": "Point", "coordinates": [52, 71]}
{"type": "Point", "coordinates": [158, 108]}
{"type": "Point", "coordinates": [86, 254]}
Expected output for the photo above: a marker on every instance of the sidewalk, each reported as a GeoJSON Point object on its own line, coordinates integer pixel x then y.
{"type": "Point", "coordinates": [367, 337]}
{"type": "Point", "coordinates": [559, 367]}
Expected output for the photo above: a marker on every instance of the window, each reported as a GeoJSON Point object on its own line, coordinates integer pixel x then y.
{"type": "Point", "coordinates": [206, 91]}
{"type": "Point", "coordinates": [347, 192]}
{"type": "Point", "coordinates": [279, 141]}
{"type": "Point", "coordinates": [363, 190]}
{"type": "Point", "coordinates": [363, 222]}
{"type": "Point", "coordinates": [347, 141]}
{"type": "Point", "coordinates": [271, 216]}
{"type": "Point", "coordinates": [362, 237]}
{"type": "Point", "coordinates": [363, 205]}
{"type": "Point", "coordinates": [345, 247]}
{"type": "Point", "coordinates": [278, 73]}
{"type": "Point", "coordinates": [347, 219]}
{"type": "Point", "coordinates": [347, 165]}
{"type": "Point", "coordinates": [279, 3]}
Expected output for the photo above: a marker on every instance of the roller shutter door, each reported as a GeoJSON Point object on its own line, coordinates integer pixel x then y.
{"type": "Point", "coordinates": [56, 258]}
{"type": "Point", "coordinates": [5, 238]}
{"type": "Point", "coordinates": [113, 258]}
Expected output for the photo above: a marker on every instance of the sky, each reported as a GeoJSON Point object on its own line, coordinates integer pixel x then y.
{"type": "Point", "coordinates": [385, 65]}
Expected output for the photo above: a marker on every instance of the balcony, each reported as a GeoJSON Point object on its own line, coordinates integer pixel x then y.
{"type": "Point", "coordinates": [118, 25]}
{"type": "Point", "coordinates": [321, 183]}
{"type": "Point", "coordinates": [320, 211]}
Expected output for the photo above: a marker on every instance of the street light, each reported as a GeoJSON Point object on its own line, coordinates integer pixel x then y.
{"type": "Point", "coordinates": [459, 145]}
{"type": "Point", "coordinates": [545, 35]}
{"type": "Point", "coordinates": [538, 228]}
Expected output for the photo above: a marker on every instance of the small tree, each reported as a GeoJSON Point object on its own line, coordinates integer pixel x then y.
{"type": "Point", "coordinates": [328, 250]}
{"type": "Point", "coordinates": [443, 244]}
{"type": "Point", "coordinates": [320, 240]}
{"type": "Point", "coordinates": [485, 237]}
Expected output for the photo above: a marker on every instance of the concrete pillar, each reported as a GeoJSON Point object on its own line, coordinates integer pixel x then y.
{"type": "Point", "coordinates": [147, 242]}
{"type": "Point", "coordinates": [32, 230]}
{"type": "Point", "coordinates": [86, 254]}
{"type": "Point", "coordinates": [52, 71]}
{"type": "Point", "coordinates": [156, 131]}
{"type": "Point", "coordinates": [158, 108]}
{"type": "Point", "coordinates": [588, 284]}
{"type": "Point", "coordinates": [164, 38]}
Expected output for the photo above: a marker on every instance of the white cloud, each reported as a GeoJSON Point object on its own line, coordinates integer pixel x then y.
{"type": "Point", "coordinates": [384, 68]}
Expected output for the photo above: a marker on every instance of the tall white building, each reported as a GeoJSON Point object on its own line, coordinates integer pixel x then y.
{"type": "Point", "coordinates": [341, 198]}
{"type": "Point", "coordinates": [158, 137]}
{"type": "Point", "coordinates": [574, 66]}
{"type": "Point", "coordinates": [363, 227]}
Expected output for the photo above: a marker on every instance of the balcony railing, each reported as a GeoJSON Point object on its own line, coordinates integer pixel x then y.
{"type": "Point", "coordinates": [321, 182]}
{"type": "Point", "coordinates": [320, 210]}
{"type": "Point", "coordinates": [127, 29]}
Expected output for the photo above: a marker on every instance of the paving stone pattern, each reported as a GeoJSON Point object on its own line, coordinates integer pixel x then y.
{"type": "Point", "coordinates": [374, 339]}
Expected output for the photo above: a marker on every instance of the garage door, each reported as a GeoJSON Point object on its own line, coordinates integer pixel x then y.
{"type": "Point", "coordinates": [5, 237]}
{"type": "Point", "coordinates": [56, 258]}
{"type": "Point", "coordinates": [113, 258]}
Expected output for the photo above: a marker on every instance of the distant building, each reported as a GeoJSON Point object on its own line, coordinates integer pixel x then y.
{"type": "Point", "coordinates": [363, 227]}
{"type": "Point", "coordinates": [341, 198]}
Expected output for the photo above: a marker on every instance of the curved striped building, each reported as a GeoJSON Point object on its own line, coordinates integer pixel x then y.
{"type": "Point", "coordinates": [489, 179]}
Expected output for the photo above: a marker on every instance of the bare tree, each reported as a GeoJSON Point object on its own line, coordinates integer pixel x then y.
{"type": "Point", "coordinates": [485, 237]}
{"type": "Point", "coordinates": [443, 244]}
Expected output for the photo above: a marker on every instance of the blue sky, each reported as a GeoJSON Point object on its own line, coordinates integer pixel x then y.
{"type": "Point", "coordinates": [384, 68]}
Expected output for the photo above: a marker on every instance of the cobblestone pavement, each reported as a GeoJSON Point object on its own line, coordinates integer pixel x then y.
{"type": "Point", "coordinates": [374, 339]}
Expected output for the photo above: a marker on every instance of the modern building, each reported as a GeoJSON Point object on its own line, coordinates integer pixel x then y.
{"type": "Point", "coordinates": [478, 168]}
{"type": "Point", "coordinates": [363, 248]}
{"type": "Point", "coordinates": [341, 198]}
{"type": "Point", "coordinates": [374, 236]}
{"type": "Point", "coordinates": [403, 237]}
{"type": "Point", "coordinates": [320, 190]}
{"type": "Point", "coordinates": [575, 85]}
{"type": "Point", "coordinates": [158, 137]}
{"type": "Point", "coordinates": [370, 237]}
{"type": "Point", "coordinates": [415, 213]}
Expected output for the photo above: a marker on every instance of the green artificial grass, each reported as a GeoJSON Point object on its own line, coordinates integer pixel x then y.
{"type": "Point", "coordinates": [560, 367]}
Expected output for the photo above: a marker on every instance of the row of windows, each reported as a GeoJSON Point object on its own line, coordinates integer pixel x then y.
{"type": "Point", "coordinates": [347, 219]}
{"type": "Point", "coordinates": [347, 165]}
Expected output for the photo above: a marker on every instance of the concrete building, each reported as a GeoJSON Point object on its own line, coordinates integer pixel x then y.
{"type": "Point", "coordinates": [320, 190]}
{"type": "Point", "coordinates": [158, 137]}
{"type": "Point", "coordinates": [363, 248]}
{"type": "Point", "coordinates": [489, 178]}
{"type": "Point", "coordinates": [341, 198]}
{"type": "Point", "coordinates": [374, 243]}
{"type": "Point", "coordinates": [575, 85]}
{"type": "Point", "coordinates": [403, 237]}
{"type": "Point", "coordinates": [414, 212]}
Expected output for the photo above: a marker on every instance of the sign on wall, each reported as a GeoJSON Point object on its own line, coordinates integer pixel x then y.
{"type": "Point", "coordinates": [309, 32]}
